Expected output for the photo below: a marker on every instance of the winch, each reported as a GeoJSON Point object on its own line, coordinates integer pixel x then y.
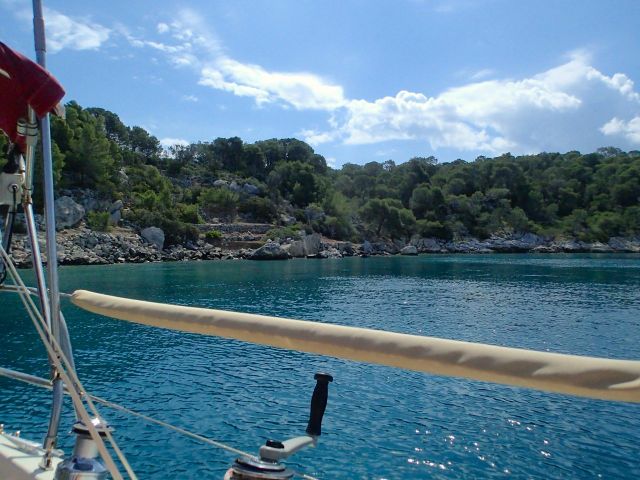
{"type": "Point", "coordinates": [267, 465]}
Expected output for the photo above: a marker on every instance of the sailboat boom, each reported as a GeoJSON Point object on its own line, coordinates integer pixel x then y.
{"type": "Point", "coordinates": [554, 372]}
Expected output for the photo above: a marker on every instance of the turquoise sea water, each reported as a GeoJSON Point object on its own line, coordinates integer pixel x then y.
{"type": "Point", "coordinates": [381, 423]}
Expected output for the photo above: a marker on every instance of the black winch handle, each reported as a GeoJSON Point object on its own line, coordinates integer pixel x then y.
{"type": "Point", "coordinates": [318, 403]}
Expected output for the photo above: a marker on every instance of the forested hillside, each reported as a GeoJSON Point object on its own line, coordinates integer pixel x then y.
{"type": "Point", "coordinates": [590, 196]}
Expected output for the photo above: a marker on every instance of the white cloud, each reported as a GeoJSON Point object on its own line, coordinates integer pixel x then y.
{"type": "Point", "coordinates": [482, 74]}
{"type": "Point", "coordinates": [192, 44]}
{"type": "Point", "coordinates": [75, 34]}
{"type": "Point", "coordinates": [180, 55]}
{"type": "Point", "coordinates": [212, 77]}
{"type": "Point", "coordinates": [63, 32]}
{"type": "Point", "coordinates": [301, 90]}
{"type": "Point", "coordinates": [313, 137]}
{"type": "Point", "coordinates": [629, 130]}
{"type": "Point", "coordinates": [559, 109]}
{"type": "Point", "coordinates": [190, 98]}
{"type": "Point", "coordinates": [572, 105]}
{"type": "Point", "coordinates": [170, 142]}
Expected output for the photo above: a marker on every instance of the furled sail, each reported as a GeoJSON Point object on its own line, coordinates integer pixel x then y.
{"type": "Point", "coordinates": [24, 83]}
{"type": "Point", "coordinates": [570, 374]}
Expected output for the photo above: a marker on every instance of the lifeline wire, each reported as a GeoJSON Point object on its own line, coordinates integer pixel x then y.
{"type": "Point", "coordinates": [21, 289]}
{"type": "Point", "coordinates": [186, 433]}
{"type": "Point", "coordinates": [70, 378]}
{"type": "Point", "coordinates": [30, 290]}
{"type": "Point", "coordinates": [43, 383]}
{"type": "Point", "coordinates": [58, 359]}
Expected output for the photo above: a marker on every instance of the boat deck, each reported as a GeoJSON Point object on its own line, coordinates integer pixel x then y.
{"type": "Point", "coordinates": [20, 458]}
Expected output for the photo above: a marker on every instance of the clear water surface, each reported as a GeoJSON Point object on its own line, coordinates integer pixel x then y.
{"type": "Point", "coordinates": [381, 423]}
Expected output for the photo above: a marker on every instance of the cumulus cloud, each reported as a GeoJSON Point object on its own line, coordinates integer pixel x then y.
{"type": "Point", "coordinates": [187, 41]}
{"type": "Point", "coordinates": [564, 107]}
{"type": "Point", "coordinates": [301, 90]}
{"type": "Point", "coordinates": [170, 142]}
{"type": "Point", "coordinates": [180, 55]}
{"type": "Point", "coordinates": [63, 32]}
{"type": "Point", "coordinates": [629, 130]}
{"type": "Point", "coordinates": [314, 137]}
{"type": "Point", "coordinates": [332, 162]}
{"type": "Point", "coordinates": [72, 33]}
{"type": "Point", "coordinates": [572, 105]}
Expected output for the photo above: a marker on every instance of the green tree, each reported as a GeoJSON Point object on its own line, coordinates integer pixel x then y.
{"type": "Point", "coordinates": [144, 147]}
{"type": "Point", "coordinates": [273, 151]}
{"type": "Point", "coordinates": [297, 182]}
{"type": "Point", "coordinates": [115, 130]}
{"type": "Point", "coordinates": [428, 202]}
{"type": "Point", "coordinates": [433, 229]}
{"type": "Point", "coordinates": [188, 213]}
{"type": "Point", "coordinates": [228, 153]}
{"type": "Point", "coordinates": [259, 208]}
{"type": "Point", "coordinates": [89, 162]}
{"type": "Point", "coordinates": [605, 225]}
{"type": "Point", "coordinates": [219, 201]}
{"type": "Point", "coordinates": [389, 215]}
{"type": "Point", "coordinates": [254, 161]}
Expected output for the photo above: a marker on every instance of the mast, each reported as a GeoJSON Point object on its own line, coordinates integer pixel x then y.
{"type": "Point", "coordinates": [52, 254]}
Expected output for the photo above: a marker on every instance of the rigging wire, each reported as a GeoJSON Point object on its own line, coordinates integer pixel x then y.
{"type": "Point", "coordinates": [175, 428]}
{"type": "Point", "coordinates": [25, 293]}
{"type": "Point", "coordinates": [30, 290]}
{"type": "Point", "coordinates": [58, 360]}
{"type": "Point", "coordinates": [44, 383]}
{"type": "Point", "coordinates": [68, 375]}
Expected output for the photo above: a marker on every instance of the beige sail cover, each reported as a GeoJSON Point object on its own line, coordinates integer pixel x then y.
{"type": "Point", "coordinates": [570, 374]}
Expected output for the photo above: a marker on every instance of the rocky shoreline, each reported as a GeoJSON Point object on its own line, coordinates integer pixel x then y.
{"type": "Point", "coordinates": [82, 246]}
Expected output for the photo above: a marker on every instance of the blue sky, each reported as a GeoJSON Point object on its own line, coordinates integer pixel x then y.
{"type": "Point", "coordinates": [359, 80]}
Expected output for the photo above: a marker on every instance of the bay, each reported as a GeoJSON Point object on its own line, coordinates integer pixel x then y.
{"type": "Point", "coordinates": [381, 423]}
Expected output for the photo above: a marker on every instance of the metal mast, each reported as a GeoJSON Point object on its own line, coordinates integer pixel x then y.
{"type": "Point", "coordinates": [52, 254]}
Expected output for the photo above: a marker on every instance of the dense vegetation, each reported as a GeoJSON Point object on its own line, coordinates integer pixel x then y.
{"type": "Point", "coordinates": [590, 197]}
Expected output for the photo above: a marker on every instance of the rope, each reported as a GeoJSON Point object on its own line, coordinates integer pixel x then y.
{"type": "Point", "coordinates": [43, 383]}
{"type": "Point", "coordinates": [68, 375]}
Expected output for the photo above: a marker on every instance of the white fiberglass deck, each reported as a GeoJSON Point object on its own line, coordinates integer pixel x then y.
{"type": "Point", "coordinates": [19, 460]}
